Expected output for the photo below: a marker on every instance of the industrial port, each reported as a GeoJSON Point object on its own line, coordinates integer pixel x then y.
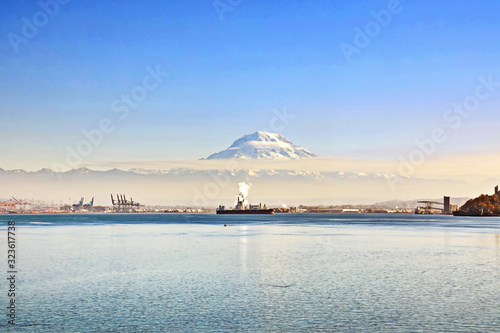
{"type": "Point", "coordinates": [120, 204]}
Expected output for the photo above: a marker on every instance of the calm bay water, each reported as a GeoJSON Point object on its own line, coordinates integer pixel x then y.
{"type": "Point", "coordinates": [276, 273]}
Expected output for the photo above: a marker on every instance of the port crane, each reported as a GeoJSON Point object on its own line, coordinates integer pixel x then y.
{"type": "Point", "coordinates": [20, 203]}
{"type": "Point", "coordinates": [80, 205]}
{"type": "Point", "coordinates": [7, 205]}
{"type": "Point", "coordinates": [122, 204]}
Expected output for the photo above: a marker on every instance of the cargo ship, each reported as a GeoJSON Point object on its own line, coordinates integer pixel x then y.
{"type": "Point", "coordinates": [241, 208]}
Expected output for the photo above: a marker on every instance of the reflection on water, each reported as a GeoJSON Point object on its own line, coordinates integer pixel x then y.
{"type": "Point", "coordinates": [304, 274]}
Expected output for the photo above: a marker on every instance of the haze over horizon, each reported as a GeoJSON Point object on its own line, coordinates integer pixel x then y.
{"type": "Point", "coordinates": [403, 87]}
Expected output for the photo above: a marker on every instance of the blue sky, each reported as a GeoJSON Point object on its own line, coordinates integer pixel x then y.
{"type": "Point", "coordinates": [228, 75]}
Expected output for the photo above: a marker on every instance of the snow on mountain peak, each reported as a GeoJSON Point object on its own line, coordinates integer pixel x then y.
{"type": "Point", "coordinates": [263, 145]}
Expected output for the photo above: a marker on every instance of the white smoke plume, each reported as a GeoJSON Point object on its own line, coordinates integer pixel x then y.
{"type": "Point", "coordinates": [244, 188]}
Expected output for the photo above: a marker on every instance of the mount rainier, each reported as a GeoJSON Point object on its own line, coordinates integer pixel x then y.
{"type": "Point", "coordinates": [263, 145]}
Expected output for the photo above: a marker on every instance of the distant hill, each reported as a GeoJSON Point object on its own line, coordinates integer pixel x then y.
{"type": "Point", "coordinates": [211, 186]}
{"type": "Point", "coordinates": [483, 205]}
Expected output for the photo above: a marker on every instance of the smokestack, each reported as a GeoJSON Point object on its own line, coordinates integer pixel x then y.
{"type": "Point", "coordinates": [496, 189]}
{"type": "Point", "coordinates": [447, 205]}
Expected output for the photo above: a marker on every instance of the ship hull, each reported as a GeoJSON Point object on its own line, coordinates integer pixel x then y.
{"type": "Point", "coordinates": [244, 212]}
{"type": "Point", "coordinates": [462, 213]}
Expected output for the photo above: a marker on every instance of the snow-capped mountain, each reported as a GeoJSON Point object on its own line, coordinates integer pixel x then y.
{"type": "Point", "coordinates": [263, 145]}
